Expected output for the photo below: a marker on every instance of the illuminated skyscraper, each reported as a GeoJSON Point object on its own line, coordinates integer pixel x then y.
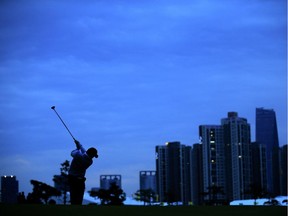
{"type": "Point", "coordinates": [267, 135]}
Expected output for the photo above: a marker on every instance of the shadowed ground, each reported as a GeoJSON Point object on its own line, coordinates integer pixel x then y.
{"type": "Point", "coordinates": [89, 210]}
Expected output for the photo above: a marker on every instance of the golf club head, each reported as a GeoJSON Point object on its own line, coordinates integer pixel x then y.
{"type": "Point", "coordinates": [53, 107]}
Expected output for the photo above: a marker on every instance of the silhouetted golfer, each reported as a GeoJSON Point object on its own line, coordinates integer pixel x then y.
{"type": "Point", "coordinates": [82, 159]}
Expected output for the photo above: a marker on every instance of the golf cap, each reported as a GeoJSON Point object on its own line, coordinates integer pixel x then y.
{"type": "Point", "coordinates": [92, 152]}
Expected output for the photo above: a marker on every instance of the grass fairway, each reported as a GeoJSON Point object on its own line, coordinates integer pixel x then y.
{"type": "Point", "coordinates": [89, 210]}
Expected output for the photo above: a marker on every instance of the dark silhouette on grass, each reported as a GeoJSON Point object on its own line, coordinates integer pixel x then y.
{"type": "Point", "coordinates": [147, 196]}
{"type": "Point", "coordinates": [81, 161]}
{"type": "Point", "coordinates": [113, 196]}
{"type": "Point", "coordinates": [62, 180]}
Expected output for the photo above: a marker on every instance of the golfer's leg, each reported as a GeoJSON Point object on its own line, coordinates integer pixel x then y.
{"type": "Point", "coordinates": [79, 193]}
{"type": "Point", "coordinates": [73, 192]}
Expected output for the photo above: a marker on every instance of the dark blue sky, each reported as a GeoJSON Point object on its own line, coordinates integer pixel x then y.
{"type": "Point", "coordinates": [129, 75]}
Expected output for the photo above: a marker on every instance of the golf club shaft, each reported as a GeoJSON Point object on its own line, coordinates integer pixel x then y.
{"type": "Point", "coordinates": [63, 123]}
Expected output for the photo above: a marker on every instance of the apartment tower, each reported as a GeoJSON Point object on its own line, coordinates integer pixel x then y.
{"type": "Point", "coordinates": [213, 154]}
{"type": "Point", "coordinates": [237, 141]}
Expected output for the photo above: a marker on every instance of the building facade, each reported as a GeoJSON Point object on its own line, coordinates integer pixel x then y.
{"type": "Point", "coordinates": [107, 180]}
{"type": "Point", "coordinates": [148, 180]}
{"type": "Point", "coordinates": [283, 170]}
{"type": "Point", "coordinates": [9, 189]}
{"type": "Point", "coordinates": [174, 173]}
{"type": "Point", "coordinates": [237, 141]}
{"type": "Point", "coordinates": [197, 174]}
{"type": "Point", "coordinates": [259, 167]}
{"type": "Point", "coordinates": [213, 155]}
{"type": "Point", "coordinates": [267, 135]}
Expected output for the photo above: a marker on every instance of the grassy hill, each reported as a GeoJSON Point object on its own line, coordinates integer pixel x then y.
{"type": "Point", "coordinates": [89, 210]}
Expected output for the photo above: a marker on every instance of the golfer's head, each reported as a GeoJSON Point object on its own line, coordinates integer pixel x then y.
{"type": "Point", "coordinates": [92, 152]}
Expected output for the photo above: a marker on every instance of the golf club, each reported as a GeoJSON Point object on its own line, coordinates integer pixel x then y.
{"type": "Point", "coordinates": [53, 108]}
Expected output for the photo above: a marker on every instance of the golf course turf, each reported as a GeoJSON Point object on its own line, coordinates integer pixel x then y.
{"type": "Point", "coordinates": [89, 210]}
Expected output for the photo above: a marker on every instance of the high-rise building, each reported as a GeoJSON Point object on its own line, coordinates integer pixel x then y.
{"type": "Point", "coordinates": [267, 135]}
{"type": "Point", "coordinates": [197, 175]}
{"type": "Point", "coordinates": [9, 189]}
{"type": "Point", "coordinates": [187, 175]}
{"type": "Point", "coordinates": [161, 172]}
{"type": "Point", "coordinates": [259, 172]}
{"type": "Point", "coordinates": [174, 173]}
{"type": "Point", "coordinates": [213, 157]}
{"type": "Point", "coordinates": [148, 180]}
{"type": "Point", "coordinates": [107, 180]}
{"type": "Point", "coordinates": [283, 170]}
{"type": "Point", "coordinates": [237, 141]}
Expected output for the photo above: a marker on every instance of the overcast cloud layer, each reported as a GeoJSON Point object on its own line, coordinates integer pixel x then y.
{"type": "Point", "coordinates": [129, 75]}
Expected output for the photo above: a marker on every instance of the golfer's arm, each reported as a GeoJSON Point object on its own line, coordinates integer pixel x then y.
{"type": "Point", "coordinates": [78, 145]}
{"type": "Point", "coordinates": [82, 149]}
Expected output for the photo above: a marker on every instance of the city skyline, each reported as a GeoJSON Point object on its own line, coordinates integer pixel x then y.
{"type": "Point", "coordinates": [97, 183]}
{"type": "Point", "coordinates": [126, 76]}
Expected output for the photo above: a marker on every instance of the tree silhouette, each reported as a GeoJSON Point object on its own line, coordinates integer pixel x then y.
{"type": "Point", "coordinates": [113, 196]}
{"type": "Point", "coordinates": [212, 193]}
{"type": "Point", "coordinates": [256, 191]}
{"type": "Point", "coordinates": [62, 180]}
{"type": "Point", "coordinates": [272, 202]}
{"type": "Point", "coordinates": [117, 196]}
{"type": "Point", "coordinates": [21, 199]}
{"type": "Point", "coordinates": [102, 194]}
{"type": "Point", "coordinates": [41, 192]}
{"type": "Point", "coordinates": [147, 196]}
